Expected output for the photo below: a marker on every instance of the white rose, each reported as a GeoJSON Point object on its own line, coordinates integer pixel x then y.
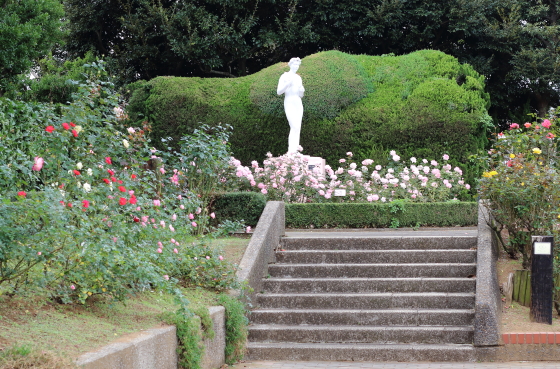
{"type": "Point", "coordinates": [125, 144]}
{"type": "Point", "coordinates": [79, 166]}
{"type": "Point", "coordinates": [87, 187]}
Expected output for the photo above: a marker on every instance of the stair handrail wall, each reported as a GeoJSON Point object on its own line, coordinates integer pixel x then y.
{"type": "Point", "coordinates": [488, 298]}
{"type": "Point", "coordinates": [260, 250]}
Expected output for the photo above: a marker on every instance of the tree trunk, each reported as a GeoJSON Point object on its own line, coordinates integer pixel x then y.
{"type": "Point", "coordinates": [542, 104]}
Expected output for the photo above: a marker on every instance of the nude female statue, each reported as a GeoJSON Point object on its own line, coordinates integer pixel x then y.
{"type": "Point", "coordinates": [291, 85]}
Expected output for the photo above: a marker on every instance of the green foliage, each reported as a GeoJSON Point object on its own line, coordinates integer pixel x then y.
{"type": "Point", "coordinates": [332, 77]}
{"type": "Point", "coordinates": [223, 38]}
{"type": "Point", "coordinates": [380, 215]}
{"type": "Point", "coordinates": [84, 197]}
{"type": "Point", "coordinates": [189, 334]}
{"type": "Point", "coordinates": [202, 266]}
{"type": "Point", "coordinates": [521, 185]}
{"type": "Point", "coordinates": [236, 328]}
{"type": "Point", "coordinates": [242, 206]}
{"type": "Point", "coordinates": [424, 104]}
{"type": "Point", "coordinates": [54, 80]}
{"type": "Point", "coordinates": [28, 31]}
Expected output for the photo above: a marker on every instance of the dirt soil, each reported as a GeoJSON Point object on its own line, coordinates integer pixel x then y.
{"type": "Point", "coordinates": [516, 318]}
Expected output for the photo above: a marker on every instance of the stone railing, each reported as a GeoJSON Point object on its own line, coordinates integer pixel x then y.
{"type": "Point", "coordinates": [488, 298]}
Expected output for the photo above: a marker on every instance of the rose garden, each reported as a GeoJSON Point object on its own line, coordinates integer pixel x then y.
{"type": "Point", "coordinates": [116, 190]}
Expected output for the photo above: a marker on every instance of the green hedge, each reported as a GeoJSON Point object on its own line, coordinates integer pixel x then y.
{"type": "Point", "coordinates": [381, 215]}
{"type": "Point", "coordinates": [239, 205]}
{"type": "Point", "coordinates": [424, 104]}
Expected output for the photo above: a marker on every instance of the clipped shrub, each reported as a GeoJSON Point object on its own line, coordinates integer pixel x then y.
{"type": "Point", "coordinates": [239, 206]}
{"type": "Point", "coordinates": [381, 215]}
{"type": "Point", "coordinates": [423, 104]}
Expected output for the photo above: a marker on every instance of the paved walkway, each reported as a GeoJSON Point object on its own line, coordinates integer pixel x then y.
{"type": "Point", "coordinates": [393, 365]}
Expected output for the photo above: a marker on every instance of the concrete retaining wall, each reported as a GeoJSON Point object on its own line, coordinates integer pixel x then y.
{"type": "Point", "coordinates": [156, 349]}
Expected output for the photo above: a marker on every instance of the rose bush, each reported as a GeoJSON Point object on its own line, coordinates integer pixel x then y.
{"type": "Point", "coordinates": [289, 178]}
{"type": "Point", "coordinates": [521, 184]}
{"type": "Point", "coordinates": [89, 208]}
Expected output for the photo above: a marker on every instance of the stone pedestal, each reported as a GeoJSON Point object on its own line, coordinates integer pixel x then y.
{"type": "Point", "coordinates": [316, 162]}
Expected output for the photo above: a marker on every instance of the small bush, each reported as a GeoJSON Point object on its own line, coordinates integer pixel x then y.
{"type": "Point", "coordinates": [381, 215]}
{"type": "Point", "coordinates": [239, 206]}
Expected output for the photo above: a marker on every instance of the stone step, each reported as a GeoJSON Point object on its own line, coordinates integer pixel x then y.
{"type": "Point", "coordinates": [360, 334]}
{"type": "Point", "coordinates": [379, 243]}
{"type": "Point", "coordinates": [425, 300]}
{"type": "Point", "coordinates": [375, 256]}
{"type": "Point", "coordinates": [359, 352]}
{"type": "Point", "coordinates": [364, 285]}
{"type": "Point", "coordinates": [400, 317]}
{"type": "Point", "coordinates": [439, 270]}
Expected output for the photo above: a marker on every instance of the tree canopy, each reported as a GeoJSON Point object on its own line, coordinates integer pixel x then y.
{"type": "Point", "coordinates": [28, 30]}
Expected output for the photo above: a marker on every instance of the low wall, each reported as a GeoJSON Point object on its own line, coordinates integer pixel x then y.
{"type": "Point", "coordinates": [156, 349]}
{"type": "Point", "coordinates": [487, 320]}
{"type": "Point", "coordinates": [260, 251]}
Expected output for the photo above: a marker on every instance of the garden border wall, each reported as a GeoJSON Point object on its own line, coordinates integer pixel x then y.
{"type": "Point", "coordinates": [156, 348]}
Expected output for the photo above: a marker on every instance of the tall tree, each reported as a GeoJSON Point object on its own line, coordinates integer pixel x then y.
{"type": "Point", "coordinates": [28, 30]}
{"type": "Point", "coordinates": [147, 38]}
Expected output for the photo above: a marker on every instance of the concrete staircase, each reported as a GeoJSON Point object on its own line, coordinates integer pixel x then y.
{"type": "Point", "coordinates": [390, 296]}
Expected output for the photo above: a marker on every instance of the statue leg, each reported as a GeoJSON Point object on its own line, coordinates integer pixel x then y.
{"type": "Point", "coordinates": [294, 113]}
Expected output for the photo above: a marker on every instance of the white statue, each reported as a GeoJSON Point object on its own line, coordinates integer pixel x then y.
{"type": "Point", "coordinates": [290, 84]}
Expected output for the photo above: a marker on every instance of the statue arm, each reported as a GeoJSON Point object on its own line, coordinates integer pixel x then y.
{"type": "Point", "coordinates": [283, 84]}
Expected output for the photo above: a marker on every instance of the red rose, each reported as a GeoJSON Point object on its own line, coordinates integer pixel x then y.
{"type": "Point", "coordinates": [85, 204]}
{"type": "Point", "coordinates": [49, 129]}
{"type": "Point", "coordinates": [69, 205]}
{"type": "Point", "coordinates": [72, 125]}
{"type": "Point", "coordinates": [76, 172]}
{"type": "Point", "coordinates": [111, 173]}
{"type": "Point", "coordinates": [133, 200]}
{"type": "Point", "coordinates": [62, 203]}
{"type": "Point", "coordinates": [113, 179]}
{"type": "Point", "coordinates": [122, 201]}
{"type": "Point", "coordinates": [106, 180]}
{"type": "Point", "coordinates": [122, 189]}
{"type": "Point", "coordinates": [108, 160]}
{"type": "Point", "coordinates": [22, 193]}
{"type": "Point", "coordinates": [119, 181]}
{"type": "Point", "coordinates": [133, 176]}
{"type": "Point", "coordinates": [66, 126]}
{"type": "Point", "coordinates": [136, 219]}
{"type": "Point", "coordinates": [74, 133]}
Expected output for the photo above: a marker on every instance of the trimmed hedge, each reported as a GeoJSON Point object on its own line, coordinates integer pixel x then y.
{"type": "Point", "coordinates": [239, 205]}
{"type": "Point", "coordinates": [381, 215]}
{"type": "Point", "coordinates": [424, 104]}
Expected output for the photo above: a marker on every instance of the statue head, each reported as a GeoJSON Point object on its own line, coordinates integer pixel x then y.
{"type": "Point", "coordinates": [294, 64]}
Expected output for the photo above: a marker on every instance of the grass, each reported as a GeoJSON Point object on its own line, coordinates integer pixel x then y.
{"type": "Point", "coordinates": [40, 327]}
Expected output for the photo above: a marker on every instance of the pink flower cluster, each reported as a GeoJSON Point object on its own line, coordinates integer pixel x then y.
{"type": "Point", "coordinates": [289, 178]}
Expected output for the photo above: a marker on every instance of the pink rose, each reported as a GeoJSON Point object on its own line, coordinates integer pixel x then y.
{"type": "Point", "coordinates": [157, 203]}
{"type": "Point", "coordinates": [191, 216]}
{"type": "Point", "coordinates": [527, 125]}
{"type": "Point", "coordinates": [38, 163]}
{"type": "Point", "coordinates": [194, 224]}
{"type": "Point", "coordinates": [546, 123]}
{"type": "Point", "coordinates": [212, 215]}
